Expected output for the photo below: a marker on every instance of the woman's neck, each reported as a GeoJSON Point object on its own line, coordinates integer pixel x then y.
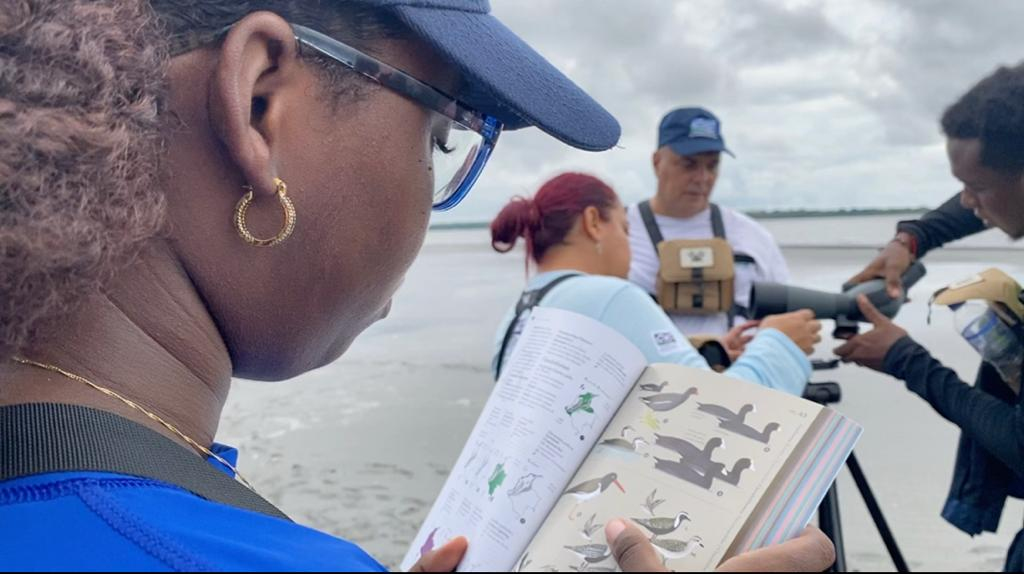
{"type": "Point", "coordinates": [149, 338]}
{"type": "Point", "coordinates": [572, 258]}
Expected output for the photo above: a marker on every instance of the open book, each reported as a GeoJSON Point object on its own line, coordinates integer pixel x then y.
{"type": "Point", "coordinates": [580, 430]}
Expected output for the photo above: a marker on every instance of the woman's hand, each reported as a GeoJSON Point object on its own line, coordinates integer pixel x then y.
{"type": "Point", "coordinates": [735, 341]}
{"type": "Point", "coordinates": [799, 326]}
{"type": "Point", "coordinates": [444, 559]}
{"type": "Point", "coordinates": [811, 551]}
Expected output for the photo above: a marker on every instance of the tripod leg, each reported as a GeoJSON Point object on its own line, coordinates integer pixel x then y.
{"type": "Point", "coordinates": [832, 526]}
{"type": "Point", "coordinates": [876, 514]}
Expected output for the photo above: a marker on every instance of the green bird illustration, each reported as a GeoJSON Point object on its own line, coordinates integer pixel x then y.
{"type": "Point", "coordinates": [582, 404]}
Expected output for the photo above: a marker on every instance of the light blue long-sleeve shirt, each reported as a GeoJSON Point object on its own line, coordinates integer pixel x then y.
{"type": "Point", "coordinates": [771, 359]}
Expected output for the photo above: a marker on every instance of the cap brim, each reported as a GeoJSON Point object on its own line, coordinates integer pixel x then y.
{"type": "Point", "coordinates": [696, 146]}
{"type": "Point", "coordinates": [509, 80]}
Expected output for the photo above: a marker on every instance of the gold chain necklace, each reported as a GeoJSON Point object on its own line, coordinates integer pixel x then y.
{"type": "Point", "coordinates": [141, 409]}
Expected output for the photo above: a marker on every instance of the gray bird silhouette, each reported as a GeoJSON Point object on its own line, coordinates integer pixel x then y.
{"type": "Point", "coordinates": [668, 401]}
{"type": "Point", "coordinates": [723, 414]}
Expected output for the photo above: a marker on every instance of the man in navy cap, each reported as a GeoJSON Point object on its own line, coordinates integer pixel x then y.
{"type": "Point", "coordinates": [690, 145]}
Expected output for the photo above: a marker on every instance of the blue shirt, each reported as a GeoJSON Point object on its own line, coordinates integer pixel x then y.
{"type": "Point", "coordinates": [771, 359]}
{"type": "Point", "coordinates": [98, 521]}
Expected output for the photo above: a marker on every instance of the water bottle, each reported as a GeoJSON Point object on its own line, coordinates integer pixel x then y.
{"type": "Point", "coordinates": [994, 340]}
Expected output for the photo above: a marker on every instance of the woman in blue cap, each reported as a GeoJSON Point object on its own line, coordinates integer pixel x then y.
{"type": "Point", "coordinates": [193, 191]}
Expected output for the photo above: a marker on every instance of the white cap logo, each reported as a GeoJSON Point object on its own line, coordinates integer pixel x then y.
{"type": "Point", "coordinates": [704, 128]}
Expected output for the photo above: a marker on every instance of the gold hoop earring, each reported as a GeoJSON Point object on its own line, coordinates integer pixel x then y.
{"type": "Point", "coordinates": [289, 216]}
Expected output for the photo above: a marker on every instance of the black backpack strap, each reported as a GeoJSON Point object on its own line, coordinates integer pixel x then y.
{"type": "Point", "coordinates": [42, 438]}
{"type": "Point", "coordinates": [653, 231]}
{"type": "Point", "coordinates": [717, 225]}
{"type": "Point", "coordinates": [718, 228]}
{"type": "Point", "coordinates": [528, 300]}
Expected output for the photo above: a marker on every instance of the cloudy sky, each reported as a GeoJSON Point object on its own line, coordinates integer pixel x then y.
{"type": "Point", "coordinates": [826, 103]}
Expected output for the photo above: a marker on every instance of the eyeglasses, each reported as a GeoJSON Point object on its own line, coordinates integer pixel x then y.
{"type": "Point", "coordinates": [463, 139]}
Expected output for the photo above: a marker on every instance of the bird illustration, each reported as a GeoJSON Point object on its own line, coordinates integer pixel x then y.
{"type": "Point", "coordinates": [663, 525]}
{"type": "Point", "coordinates": [591, 553]}
{"type": "Point", "coordinates": [653, 388]}
{"type": "Point", "coordinates": [733, 476]}
{"type": "Point", "coordinates": [652, 502]}
{"type": "Point", "coordinates": [673, 549]}
{"type": "Point", "coordinates": [667, 401]}
{"type": "Point", "coordinates": [763, 436]}
{"type": "Point", "coordinates": [525, 563]}
{"type": "Point", "coordinates": [622, 443]}
{"type": "Point", "coordinates": [685, 471]}
{"type": "Point", "coordinates": [723, 414]}
{"type": "Point", "coordinates": [687, 450]}
{"type": "Point", "coordinates": [590, 489]}
{"type": "Point", "coordinates": [591, 527]}
{"type": "Point", "coordinates": [583, 403]}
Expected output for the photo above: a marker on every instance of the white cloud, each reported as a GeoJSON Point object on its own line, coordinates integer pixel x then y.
{"type": "Point", "coordinates": [827, 104]}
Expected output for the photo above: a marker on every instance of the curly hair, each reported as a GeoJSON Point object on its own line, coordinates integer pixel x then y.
{"type": "Point", "coordinates": [81, 85]}
{"type": "Point", "coordinates": [82, 90]}
{"type": "Point", "coordinates": [992, 112]}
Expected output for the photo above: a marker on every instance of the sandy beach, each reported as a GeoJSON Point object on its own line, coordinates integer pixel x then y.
{"type": "Point", "coordinates": [360, 448]}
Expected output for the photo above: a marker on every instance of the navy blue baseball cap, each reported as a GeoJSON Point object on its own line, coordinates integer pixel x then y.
{"type": "Point", "coordinates": [506, 78]}
{"type": "Point", "coordinates": [690, 131]}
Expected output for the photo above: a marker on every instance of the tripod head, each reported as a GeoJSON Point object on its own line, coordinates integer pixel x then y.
{"type": "Point", "coordinates": [824, 393]}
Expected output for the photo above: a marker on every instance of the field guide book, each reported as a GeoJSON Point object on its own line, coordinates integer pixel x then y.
{"type": "Point", "coordinates": [580, 430]}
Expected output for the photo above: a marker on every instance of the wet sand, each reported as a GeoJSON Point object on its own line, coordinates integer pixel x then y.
{"type": "Point", "coordinates": [360, 448]}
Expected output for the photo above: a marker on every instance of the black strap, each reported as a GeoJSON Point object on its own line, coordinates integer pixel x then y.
{"type": "Point", "coordinates": [717, 225]}
{"type": "Point", "coordinates": [43, 438]}
{"type": "Point", "coordinates": [653, 231]}
{"type": "Point", "coordinates": [528, 300]}
{"type": "Point", "coordinates": [718, 228]}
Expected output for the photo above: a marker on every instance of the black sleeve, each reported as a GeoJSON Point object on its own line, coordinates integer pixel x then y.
{"type": "Point", "coordinates": [951, 221]}
{"type": "Point", "coordinates": [996, 425]}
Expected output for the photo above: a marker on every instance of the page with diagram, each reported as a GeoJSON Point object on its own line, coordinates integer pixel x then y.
{"type": "Point", "coordinates": [562, 385]}
{"type": "Point", "coordinates": [706, 463]}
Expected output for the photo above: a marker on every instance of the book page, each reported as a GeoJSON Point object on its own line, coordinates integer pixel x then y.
{"type": "Point", "coordinates": [694, 451]}
{"type": "Point", "coordinates": [787, 507]}
{"type": "Point", "coordinates": [564, 381]}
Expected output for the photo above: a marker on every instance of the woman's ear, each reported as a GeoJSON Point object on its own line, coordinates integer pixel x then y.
{"type": "Point", "coordinates": [592, 223]}
{"type": "Point", "coordinates": [257, 60]}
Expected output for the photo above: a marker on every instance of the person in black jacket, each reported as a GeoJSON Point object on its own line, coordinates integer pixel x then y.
{"type": "Point", "coordinates": [985, 144]}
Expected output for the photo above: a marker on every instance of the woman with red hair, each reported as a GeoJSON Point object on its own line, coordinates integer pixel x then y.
{"type": "Point", "coordinates": [577, 235]}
